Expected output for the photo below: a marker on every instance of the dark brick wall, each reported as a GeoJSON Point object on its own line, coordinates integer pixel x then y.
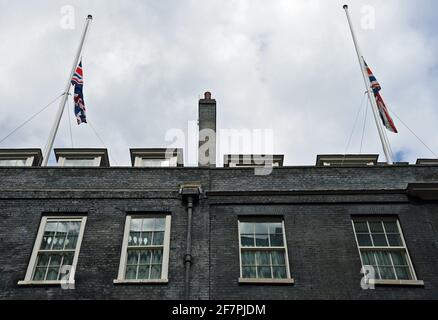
{"type": "Point", "coordinates": [316, 203]}
{"type": "Point", "coordinates": [323, 255]}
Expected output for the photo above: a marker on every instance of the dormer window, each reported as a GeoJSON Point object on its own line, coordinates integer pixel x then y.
{"type": "Point", "coordinates": [340, 160]}
{"type": "Point", "coordinates": [427, 162]}
{"type": "Point", "coordinates": [82, 157]}
{"type": "Point", "coordinates": [91, 162]}
{"type": "Point", "coordinates": [144, 162]}
{"type": "Point", "coordinates": [252, 161]}
{"type": "Point", "coordinates": [157, 158]}
{"type": "Point", "coordinates": [20, 157]}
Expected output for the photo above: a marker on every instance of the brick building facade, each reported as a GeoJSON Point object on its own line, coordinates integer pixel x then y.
{"type": "Point", "coordinates": [315, 205]}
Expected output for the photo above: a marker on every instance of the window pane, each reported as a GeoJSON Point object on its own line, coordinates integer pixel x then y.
{"type": "Point", "coordinates": [276, 228]}
{"type": "Point", "coordinates": [368, 258]}
{"type": "Point", "coordinates": [43, 260]}
{"type": "Point", "coordinates": [160, 224]}
{"type": "Point", "coordinates": [278, 258]}
{"type": "Point", "coordinates": [246, 228]}
{"type": "Point", "coordinates": [148, 225]}
{"type": "Point", "coordinates": [49, 234]}
{"type": "Point", "coordinates": [264, 272]}
{"type": "Point", "coordinates": [248, 258]}
{"type": "Point", "coordinates": [403, 273]}
{"type": "Point", "coordinates": [387, 273]}
{"type": "Point", "coordinates": [73, 227]}
{"type": "Point", "coordinates": [276, 240]}
{"type": "Point", "coordinates": [395, 240]}
{"type": "Point", "coordinates": [247, 240]}
{"type": "Point", "coordinates": [143, 272]}
{"type": "Point", "coordinates": [157, 256]}
{"type": "Point", "coordinates": [132, 257]}
{"type": "Point", "coordinates": [262, 240]}
{"type": "Point", "coordinates": [70, 243]}
{"type": "Point", "coordinates": [136, 225]}
{"type": "Point", "coordinates": [155, 163]}
{"type": "Point", "coordinates": [40, 273]}
{"type": "Point", "coordinates": [58, 241]}
{"type": "Point", "coordinates": [262, 228]}
{"type": "Point", "coordinates": [364, 240]}
{"type": "Point", "coordinates": [145, 239]}
{"type": "Point", "coordinates": [263, 258]}
{"type": "Point", "coordinates": [68, 259]}
{"type": "Point", "coordinates": [249, 272]}
{"type": "Point", "coordinates": [279, 272]}
{"type": "Point", "coordinates": [55, 260]}
{"type": "Point", "coordinates": [376, 227]}
{"type": "Point", "coordinates": [145, 257]}
{"type": "Point", "coordinates": [156, 271]}
{"type": "Point", "coordinates": [52, 274]}
{"type": "Point", "coordinates": [158, 238]}
{"type": "Point", "coordinates": [361, 227]}
{"type": "Point", "coordinates": [134, 239]}
{"type": "Point", "coordinates": [131, 273]}
{"type": "Point", "coordinates": [391, 227]}
{"type": "Point", "coordinates": [380, 240]}
{"type": "Point", "coordinates": [47, 240]}
{"type": "Point", "coordinates": [399, 258]}
{"type": "Point", "coordinates": [12, 163]}
{"type": "Point", "coordinates": [79, 162]}
{"type": "Point", "coordinates": [383, 259]}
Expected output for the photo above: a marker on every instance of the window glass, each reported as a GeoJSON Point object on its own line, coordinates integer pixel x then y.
{"type": "Point", "coordinates": [91, 162]}
{"type": "Point", "coordinates": [57, 249]}
{"type": "Point", "coordinates": [145, 249]}
{"type": "Point", "coordinates": [263, 251]}
{"type": "Point", "coordinates": [153, 163]}
{"type": "Point", "coordinates": [13, 162]}
{"type": "Point", "coordinates": [381, 246]}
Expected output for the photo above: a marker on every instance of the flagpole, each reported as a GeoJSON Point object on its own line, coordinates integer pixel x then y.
{"type": "Point", "coordinates": [55, 127]}
{"type": "Point", "coordinates": [383, 139]}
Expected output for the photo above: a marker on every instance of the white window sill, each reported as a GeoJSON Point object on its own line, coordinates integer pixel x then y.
{"type": "Point", "coordinates": [46, 283]}
{"type": "Point", "coordinates": [155, 281]}
{"type": "Point", "coordinates": [398, 282]}
{"type": "Point", "coordinates": [266, 281]}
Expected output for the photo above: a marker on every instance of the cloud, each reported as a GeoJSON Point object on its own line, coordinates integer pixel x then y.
{"type": "Point", "coordinates": [284, 65]}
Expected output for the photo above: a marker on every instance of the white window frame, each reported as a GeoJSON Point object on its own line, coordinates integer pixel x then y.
{"type": "Point", "coordinates": [414, 281]}
{"type": "Point", "coordinates": [124, 254]}
{"type": "Point", "coordinates": [97, 161]}
{"type": "Point", "coordinates": [32, 264]}
{"type": "Point", "coordinates": [289, 279]}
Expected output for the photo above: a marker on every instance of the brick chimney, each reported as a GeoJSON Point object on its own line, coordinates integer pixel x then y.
{"type": "Point", "coordinates": [207, 131]}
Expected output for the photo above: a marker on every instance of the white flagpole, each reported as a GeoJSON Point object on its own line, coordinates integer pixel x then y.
{"type": "Point", "coordinates": [383, 139]}
{"type": "Point", "coordinates": [55, 127]}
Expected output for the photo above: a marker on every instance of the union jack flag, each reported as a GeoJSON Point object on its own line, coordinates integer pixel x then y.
{"type": "Point", "coordinates": [78, 82]}
{"type": "Point", "coordinates": [383, 110]}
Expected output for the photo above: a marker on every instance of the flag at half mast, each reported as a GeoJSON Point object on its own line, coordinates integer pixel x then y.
{"type": "Point", "coordinates": [78, 82]}
{"type": "Point", "coordinates": [383, 110]}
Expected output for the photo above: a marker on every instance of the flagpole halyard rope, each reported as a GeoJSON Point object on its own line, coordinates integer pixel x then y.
{"type": "Point", "coordinates": [364, 126]}
{"type": "Point", "coordinates": [30, 119]}
{"type": "Point", "coordinates": [354, 127]}
{"type": "Point", "coordinates": [101, 140]}
{"type": "Point", "coordinates": [416, 136]}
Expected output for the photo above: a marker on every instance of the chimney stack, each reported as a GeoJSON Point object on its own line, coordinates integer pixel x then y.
{"type": "Point", "coordinates": [207, 131]}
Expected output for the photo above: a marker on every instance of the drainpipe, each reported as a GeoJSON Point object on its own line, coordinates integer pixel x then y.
{"type": "Point", "coordinates": [190, 194]}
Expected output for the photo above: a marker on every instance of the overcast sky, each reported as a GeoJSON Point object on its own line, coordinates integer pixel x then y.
{"type": "Point", "coordinates": [288, 66]}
